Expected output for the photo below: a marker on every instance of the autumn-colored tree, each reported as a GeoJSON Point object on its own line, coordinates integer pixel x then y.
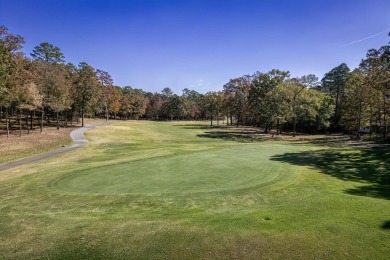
{"type": "Point", "coordinates": [266, 99]}
{"type": "Point", "coordinates": [25, 94]}
{"type": "Point", "coordinates": [10, 44]}
{"type": "Point", "coordinates": [114, 97]}
{"type": "Point", "coordinates": [52, 78]}
{"type": "Point", "coordinates": [134, 103]}
{"type": "Point", "coordinates": [56, 87]}
{"type": "Point", "coordinates": [139, 104]}
{"type": "Point", "coordinates": [88, 89]}
{"type": "Point", "coordinates": [72, 75]}
{"type": "Point", "coordinates": [155, 105]}
{"type": "Point", "coordinates": [106, 82]}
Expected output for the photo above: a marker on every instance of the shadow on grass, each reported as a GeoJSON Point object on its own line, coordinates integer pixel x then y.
{"type": "Point", "coordinates": [250, 135]}
{"type": "Point", "coordinates": [328, 140]}
{"type": "Point", "coordinates": [367, 166]}
{"type": "Point", "coordinates": [386, 225]}
{"type": "Point", "coordinates": [199, 126]}
{"type": "Point", "coordinates": [238, 136]}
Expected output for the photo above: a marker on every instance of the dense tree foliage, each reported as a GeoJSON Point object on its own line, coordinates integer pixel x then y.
{"type": "Point", "coordinates": [45, 89]}
{"type": "Point", "coordinates": [334, 83]}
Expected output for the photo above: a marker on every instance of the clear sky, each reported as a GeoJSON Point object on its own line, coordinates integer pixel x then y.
{"type": "Point", "coordinates": [201, 44]}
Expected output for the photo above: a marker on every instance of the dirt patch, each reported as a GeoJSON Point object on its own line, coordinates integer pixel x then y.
{"type": "Point", "coordinates": [119, 127]}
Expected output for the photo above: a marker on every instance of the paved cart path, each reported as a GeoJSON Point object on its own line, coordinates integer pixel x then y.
{"type": "Point", "coordinates": [78, 139]}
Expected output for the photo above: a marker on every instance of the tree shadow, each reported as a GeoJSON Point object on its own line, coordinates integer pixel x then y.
{"type": "Point", "coordinates": [386, 225]}
{"type": "Point", "coordinates": [367, 166]}
{"type": "Point", "coordinates": [250, 134]}
{"type": "Point", "coordinates": [237, 136]}
{"type": "Point", "coordinates": [329, 140]}
{"type": "Point", "coordinates": [199, 126]}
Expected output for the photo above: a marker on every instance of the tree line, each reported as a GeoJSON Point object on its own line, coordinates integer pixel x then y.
{"type": "Point", "coordinates": [44, 89]}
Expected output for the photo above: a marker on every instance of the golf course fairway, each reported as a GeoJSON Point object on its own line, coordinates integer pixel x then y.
{"type": "Point", "coordinates": [185, 190]}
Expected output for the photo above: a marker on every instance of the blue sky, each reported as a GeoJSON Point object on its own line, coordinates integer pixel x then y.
{"type": "Point", "coordinates": [201, 44]}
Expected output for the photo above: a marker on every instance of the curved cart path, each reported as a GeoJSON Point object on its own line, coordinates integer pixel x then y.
{"type": "Point", "coordinates": [78, 139]}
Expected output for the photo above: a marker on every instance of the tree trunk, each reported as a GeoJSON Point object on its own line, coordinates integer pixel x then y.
{"type": "Point", "coordinates": [7, 121]}
{"type": "Point", "coordinates": [211, 118]}
{"type": "Point", "coordinates": [359, 121]}
{"type": "Point", "coordinates": [294, 126]}
{"type": "Point", "coordinates": [20, 123]}
{"type": "Point", "coordinates": [42, 116]}
{"type": "Point", "coordinates": [28, 129]}
{"type": "Point", "coordinates": [371, 114]}
{"type": "Point", "coordinates": [106, 112]}
{"type": "Point", "coordinates": [78, 117]}
{"type": "Point", "coordinates": [58, 121]}
{"type": "Point", "coordinates": [31, 120]}
{"type": "Point", "coordinates": [384, 118]}
{"type": "Point", "coordinates": [295, 118]}
{"type": "Point", "coordinates": [82, 117]}
{"type": "Point", "coordinates": [337, 109]}
{"type": "Point", "coordinates": [26, 118]}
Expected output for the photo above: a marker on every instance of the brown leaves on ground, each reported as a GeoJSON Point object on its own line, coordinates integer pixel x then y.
{"type": "Point", "coordinates": [16, 147]}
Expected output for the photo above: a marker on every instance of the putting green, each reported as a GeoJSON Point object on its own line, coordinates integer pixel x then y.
{"type": "Point", "coordinates": [228, 168]}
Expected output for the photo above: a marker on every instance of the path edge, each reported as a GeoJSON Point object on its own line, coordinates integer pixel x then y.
{"type": "Point", "coordinates": [78, 141]}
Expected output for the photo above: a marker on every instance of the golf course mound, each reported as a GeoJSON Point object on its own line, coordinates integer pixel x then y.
{"type": "Point", "coordinates": [231, 168]}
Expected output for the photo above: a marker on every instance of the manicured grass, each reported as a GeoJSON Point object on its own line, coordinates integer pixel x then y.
{"type": "Point", "coordinates": [203, 171]}
{"type": "Point", "coordinates": [162, 190]}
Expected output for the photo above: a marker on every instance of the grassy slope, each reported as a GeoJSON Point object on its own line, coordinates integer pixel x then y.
{"type": "Point", "coordinates": [321, 204]}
